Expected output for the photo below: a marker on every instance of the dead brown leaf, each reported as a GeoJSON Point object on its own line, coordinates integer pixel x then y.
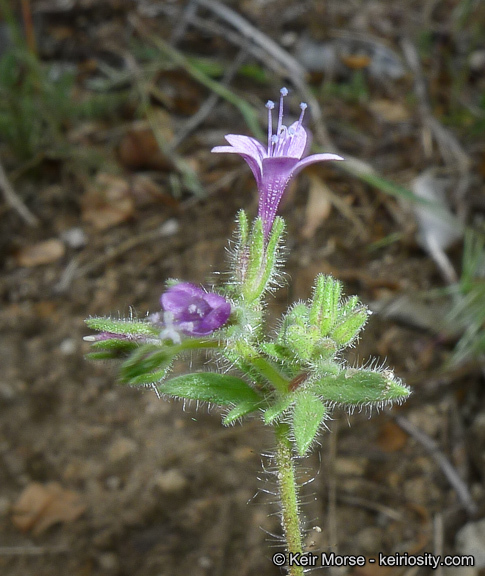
{"type": "Point", "coordinates": [139, 149]}
{"type": "Point", "coordinates": [107, 201]}
{"type": "Point", "coordinates": [318, 207]}
{"type": "Point", "coordinates": [146, 191]}
{"type": "Point", "coordinates": [390, 111]}
{"type": "Point", "coordinates": [356, 61]}
{"type": "Point", "coordinates": [41, 253]}
{"type": "Point", "coordinates": [391, 437]}
{"type": "Point", "coordinates": [41, 506]}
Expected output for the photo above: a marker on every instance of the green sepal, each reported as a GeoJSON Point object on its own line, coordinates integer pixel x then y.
{"type": "Point", "coordinates": [356, 387]}
{"type": "Point", "coordinates": [242, 228]}
{"type": "Point", "coordinates": [325, 303]}
{"type": "Point", "coordinates": [271, 255]}
{"type": "Point", "coordinates": [297, 315]}
{"type": "Point", "coordinates": [263, 257]}
{"type": "Point", "coordinates": [349, 306]}
{"type": "Point", "coordinates": [124, 327]}
{"type": "Point", "coordinates": [242, 409]}
{"type": "Point", "coordinates": [350, 325]}
{"type": "Point", "coordinates": [256, 262]}
{"type": "Point", "coordinates": [218, 389]}
{"type": "Point", "coordinates": [324, 349]}
{"type": "Point", "coordinates": [241, 253]}
{"type": "Point", "coordinates": [275, 351]}
{"type": "Point", "coordinates": [301, 341]}
{"type": "Point", "coordinates": [277, 409]}
{"type": "Point", "coordinates": [308, 414]}
{"type": "Point", "coordinates": [147, 365]}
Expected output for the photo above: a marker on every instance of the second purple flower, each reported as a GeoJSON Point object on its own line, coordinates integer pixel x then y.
{"type": "Point", "coordinates": [193, 311]}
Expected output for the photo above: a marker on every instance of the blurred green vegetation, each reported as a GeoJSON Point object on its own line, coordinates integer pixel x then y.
{"type": "Point", "coordinates": [467, 312]}
{"type": "Point", "coordinates": [37, 103]}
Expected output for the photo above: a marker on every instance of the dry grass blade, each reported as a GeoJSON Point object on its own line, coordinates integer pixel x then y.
{"type": "Point", "coordinates": [292, 67]}
{"type": "Point", "coordinates": [14, 201]}
{"type": "Point", "coordinates": [450, 149]}
{"type": "Point", "coordinates": [209, 104]}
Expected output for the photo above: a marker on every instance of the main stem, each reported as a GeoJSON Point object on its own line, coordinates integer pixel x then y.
{"type": "Point", "coordinates": [290, 517]}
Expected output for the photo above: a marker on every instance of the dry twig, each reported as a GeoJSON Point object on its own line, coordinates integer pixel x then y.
{"type": "Point", "coordinates": [73, 270]}
{"type": "Point", "coordinates": [447, 468]}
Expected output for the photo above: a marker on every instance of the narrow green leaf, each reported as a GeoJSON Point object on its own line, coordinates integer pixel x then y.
{"type": "Point", "coordinates": [125, 327]}
{"type": "Point", "coordinates": [146, 365]}
{"type": "Point", "coordinates": [219, 389]}
{"type": "Point", "coordinates": [356, 387]}
{"type": "Point", "coordinates": [307, 417]}
{"type": "Point", "coordinates": [117, 344]}
{"type": "Point", "coordinates": [276, 409]}
{"type": "Point", "coordinates": [153, 377]}
{"type": "Point", "coordinates": [242, 409]}
{"type": "Point", "coordinates": [105, 355]}
{"type": "Point", "coordinates": [276, 351]}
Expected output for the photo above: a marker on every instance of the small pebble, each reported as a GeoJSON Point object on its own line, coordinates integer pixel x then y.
{"type": "Point", "coordinates": [74, 238]}
{"type": "Point", "coordinates": [170, 482]}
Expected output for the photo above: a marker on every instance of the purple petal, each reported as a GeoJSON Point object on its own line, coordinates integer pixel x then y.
{"type": "Point", "coordinates": [249, 149]}
{"type": "Point", "coordinates": [293, 145]}
{"type": "Point", "coordinates": [191, 310]}
{"type": "Point", "coordinates": [312, 160]}
{"type": "Point", "coordinates": [213, 321]}
{"type": "Point", "coordinates": [278, 169]}
{"type": "Point", "coordinates": [247, 145]}
{"type": "Point", "coordinates": [188, 288]}
{"type": "Point", "coordinates": [252, 163]}
{"type": "Point", "coordinates": [214, 300]}
{"type": "Point", "coordinates": [277, 173]}
{"type": "Point", "coordinates": [175, 299]}
{"type": "Point", "coordinates": [224, 150]}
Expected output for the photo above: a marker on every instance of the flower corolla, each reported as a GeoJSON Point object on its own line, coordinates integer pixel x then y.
{"type": "Point", "coordinates": [276, 164]}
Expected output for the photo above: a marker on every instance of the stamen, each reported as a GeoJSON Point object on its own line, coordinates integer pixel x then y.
{"type": "Point", "coordinates": [283, 92]}
{"type": "Point", "coordinates": [303, 107]}
{"type": "Point", "coordinates": [270, 106]}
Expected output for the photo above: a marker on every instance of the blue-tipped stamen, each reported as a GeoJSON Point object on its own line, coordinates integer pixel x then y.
{"type": "Point", "coordinates": [270, 106]}
{"type": "Point", "coordinates": [303, 107]}
{"type": "Point", "coordinates": [283, 92]}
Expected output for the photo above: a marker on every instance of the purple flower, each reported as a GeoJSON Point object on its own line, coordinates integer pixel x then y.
{"type": "Point", "coordinates": [275, 165]}
{"type": "Point", "coordinates": [193, 311]}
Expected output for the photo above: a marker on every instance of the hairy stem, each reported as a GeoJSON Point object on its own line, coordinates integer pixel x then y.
{"type": "Point", "coordinates": [290, 517]}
